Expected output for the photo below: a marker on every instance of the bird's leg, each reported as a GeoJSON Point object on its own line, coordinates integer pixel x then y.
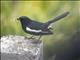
{"type": "Point", "coordinates": [39, 37]}
{"type": "Point", "coordinates": [32, 37]}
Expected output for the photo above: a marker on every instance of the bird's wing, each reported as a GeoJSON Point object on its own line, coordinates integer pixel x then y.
{"type": "Point", "coordinates": [33, 30]}
{"type": "Point", "coordinates": [36, 25]}
{"type": "Point", "coordinates": [38, 31]}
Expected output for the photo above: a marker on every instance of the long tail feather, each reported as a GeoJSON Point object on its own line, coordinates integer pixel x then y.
{"type": "Point", "coordinates": [58, 17]}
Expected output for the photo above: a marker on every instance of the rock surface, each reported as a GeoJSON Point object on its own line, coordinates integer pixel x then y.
{"type": "Point", "coordinates": [21, 48]}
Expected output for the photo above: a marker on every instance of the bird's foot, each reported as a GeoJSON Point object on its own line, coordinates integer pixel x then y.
{"type": "Point", "coordinates": [26, 37]}
{"type": "Point", "coordinates": [29, 37]}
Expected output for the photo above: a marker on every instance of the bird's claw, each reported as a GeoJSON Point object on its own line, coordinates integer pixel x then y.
{"type": "Point", "coordinates": [31, 38]}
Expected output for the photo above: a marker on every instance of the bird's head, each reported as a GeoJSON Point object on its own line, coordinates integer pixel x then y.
{"type": "Point", "coordinates": [23, 18]}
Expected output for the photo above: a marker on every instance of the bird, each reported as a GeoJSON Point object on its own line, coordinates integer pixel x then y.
{"type": "Point", "coordinates": [39, 28]}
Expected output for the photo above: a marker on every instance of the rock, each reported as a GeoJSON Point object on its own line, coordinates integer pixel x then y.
{"type": "Point", "coordinates": [21, 48]}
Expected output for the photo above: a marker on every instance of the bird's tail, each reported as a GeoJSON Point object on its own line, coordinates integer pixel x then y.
{"type": "Point", "coordinates": [58, 17]}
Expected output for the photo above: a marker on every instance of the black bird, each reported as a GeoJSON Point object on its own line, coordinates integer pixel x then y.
{"type": "Point", "coordinates": [38, 28]}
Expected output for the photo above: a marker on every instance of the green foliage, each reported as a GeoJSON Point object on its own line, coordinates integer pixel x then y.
{"type": "Point", "coordinates": [41, 11]}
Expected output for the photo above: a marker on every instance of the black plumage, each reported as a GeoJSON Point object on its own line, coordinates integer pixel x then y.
{"type": "Point", "coordinates": [38, 28]}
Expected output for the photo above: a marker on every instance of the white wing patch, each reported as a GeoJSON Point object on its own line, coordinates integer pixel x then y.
{"type": "Point", "coordinates": [32, 30]}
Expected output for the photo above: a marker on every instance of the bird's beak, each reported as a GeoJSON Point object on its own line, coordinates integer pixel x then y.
{"type": "Point", "coordinates": [17, 18]}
